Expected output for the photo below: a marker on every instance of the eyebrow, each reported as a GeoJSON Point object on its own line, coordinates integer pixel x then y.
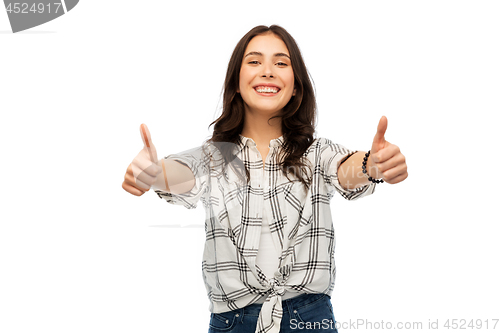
{"type": "Point", "coordinates": [279, 54]}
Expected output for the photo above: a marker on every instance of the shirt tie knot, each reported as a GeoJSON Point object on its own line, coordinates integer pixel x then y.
{"type": "Point", "coordinates": [276, 287]}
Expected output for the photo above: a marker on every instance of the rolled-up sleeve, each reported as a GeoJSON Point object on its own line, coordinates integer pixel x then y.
{"type": "Point", "coordinates": [332, 156]}
{"type": "Point", "coordinates": [196, 160]}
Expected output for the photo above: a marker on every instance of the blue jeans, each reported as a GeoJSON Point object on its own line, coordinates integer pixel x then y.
{"type": "Point", "coordinates": [303, 313]}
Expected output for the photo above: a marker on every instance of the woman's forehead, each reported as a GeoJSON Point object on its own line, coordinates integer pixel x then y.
{"type": "Point", "coordinates": [268, 43]}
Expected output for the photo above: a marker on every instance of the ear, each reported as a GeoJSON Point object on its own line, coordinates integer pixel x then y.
{"type": "Point", "coordinates": [294, 91]}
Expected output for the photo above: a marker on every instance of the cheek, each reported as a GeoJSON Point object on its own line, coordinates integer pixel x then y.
{"type": "Point", "coordinates": [245, 75]}
{"type": "Point", "coordinates": [242, 80]}
{"type": "Point", "coordinates": [290, 80]}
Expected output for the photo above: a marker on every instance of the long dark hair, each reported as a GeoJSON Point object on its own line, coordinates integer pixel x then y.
{"type": "Point", "coordinates": [298, 116]}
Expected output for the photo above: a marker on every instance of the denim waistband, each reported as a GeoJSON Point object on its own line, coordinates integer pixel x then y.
{"type": "Point", "coordinates": [294, 303]}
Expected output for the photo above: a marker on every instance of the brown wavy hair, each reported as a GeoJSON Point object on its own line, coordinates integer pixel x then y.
{"type": "Point", "coordinates": [298, 117]}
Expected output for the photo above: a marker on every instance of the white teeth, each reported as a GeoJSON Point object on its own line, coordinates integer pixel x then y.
{"type": "Point", "coordinates": [267, 89]}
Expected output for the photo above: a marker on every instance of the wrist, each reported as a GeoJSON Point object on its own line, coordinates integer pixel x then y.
{"type": "Point", "coordinates": [161, 182]}
{"type": "Point", "coordinates": [371, 170]}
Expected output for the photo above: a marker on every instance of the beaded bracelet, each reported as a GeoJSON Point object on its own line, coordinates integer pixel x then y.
{"type": "Point", "coordinates": [365, 159]}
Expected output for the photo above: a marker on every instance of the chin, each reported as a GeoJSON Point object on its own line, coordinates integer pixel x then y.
{"type": "Point", "coordinates": [269, 111]}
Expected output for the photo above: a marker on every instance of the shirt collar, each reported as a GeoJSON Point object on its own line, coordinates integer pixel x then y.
{"type": "Point", "coordinates": [278, 142]}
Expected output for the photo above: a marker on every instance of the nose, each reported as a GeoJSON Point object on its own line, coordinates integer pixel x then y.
{"type": "Point", "coordinates": [267, 70]}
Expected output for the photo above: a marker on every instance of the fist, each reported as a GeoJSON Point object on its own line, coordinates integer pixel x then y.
{"type": "Point", "coordinates": [142, 172]}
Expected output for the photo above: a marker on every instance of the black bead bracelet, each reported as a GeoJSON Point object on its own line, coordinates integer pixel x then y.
{"type": "Point", "coordinates": [365, 159]}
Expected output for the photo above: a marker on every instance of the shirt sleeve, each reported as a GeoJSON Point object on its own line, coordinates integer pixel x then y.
{"type": "Point", "coordinates": [196, 160]}
{"type": "Point", "coordinates": [332, 156]}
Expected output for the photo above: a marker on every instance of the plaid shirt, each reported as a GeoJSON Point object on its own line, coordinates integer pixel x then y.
{"type": "Point", "coordinates": [300, 221]}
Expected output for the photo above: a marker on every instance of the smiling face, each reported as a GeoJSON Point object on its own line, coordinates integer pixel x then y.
{"type": "Point", "coordinates": [266, 75]}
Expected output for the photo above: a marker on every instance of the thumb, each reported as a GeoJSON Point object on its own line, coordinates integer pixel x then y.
{"type": "Point", "coordinates": [148, 143]}
{"type": "Point", "coordinates": [379, 139]}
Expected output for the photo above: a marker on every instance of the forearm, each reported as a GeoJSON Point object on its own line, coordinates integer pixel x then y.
{"type": "Point", "coordinates": [175, 177]}
{"type": "Point", "coordinates": [350, 173]}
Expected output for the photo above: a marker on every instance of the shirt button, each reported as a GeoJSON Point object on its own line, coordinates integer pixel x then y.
{"type": "Point", "coordinates": [237, 315]}
{"type": "Point", "coordinates": [227, 321]}
{"type": "Point", "coordinates": [294, 311]}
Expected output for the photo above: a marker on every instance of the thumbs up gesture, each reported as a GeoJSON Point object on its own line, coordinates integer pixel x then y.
{"type": "Point", "coordinates": [386, 160]}
{"type": "Point", "coordinates": [142, 172]}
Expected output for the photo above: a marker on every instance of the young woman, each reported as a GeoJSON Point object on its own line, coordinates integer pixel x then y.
{"type": "Point", "coordinates": [268, 264]}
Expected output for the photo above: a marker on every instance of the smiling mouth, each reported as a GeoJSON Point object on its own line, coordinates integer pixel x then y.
{"type": "Point", "coordinates": [267, 90]}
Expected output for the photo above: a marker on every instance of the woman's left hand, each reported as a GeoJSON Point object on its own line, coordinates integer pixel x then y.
{"type": "Point", "coordinates": [386, 160]}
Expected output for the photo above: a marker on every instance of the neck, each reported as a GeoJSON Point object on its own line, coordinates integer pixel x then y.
{"type": "Point", "coordinates": [260, 130]}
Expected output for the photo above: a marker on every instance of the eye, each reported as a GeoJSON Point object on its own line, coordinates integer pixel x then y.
{"type": "Point", "coordinates": [282, 64]}
{"type": "Point", "coordinates": [253, 62]}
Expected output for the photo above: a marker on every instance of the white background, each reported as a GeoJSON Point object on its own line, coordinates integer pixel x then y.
{"type": "Point", "coordinates": [79, 254]}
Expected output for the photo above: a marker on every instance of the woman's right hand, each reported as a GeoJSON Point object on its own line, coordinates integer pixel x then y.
{"type": "Point", "coordinates": [142, 172]}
